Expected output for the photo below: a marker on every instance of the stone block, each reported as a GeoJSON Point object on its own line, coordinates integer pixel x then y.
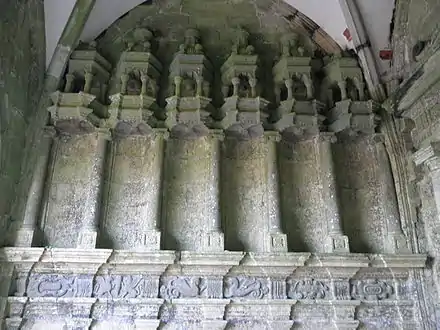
{"type": "Point", "coordinates": [338, 244]}
{"type": "Point", "coordinates": [256, 314]}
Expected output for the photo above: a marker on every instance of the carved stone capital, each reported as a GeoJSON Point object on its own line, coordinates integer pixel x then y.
{"type": "Point", "coordinates": [124, 129]}
{"type": "Point", "coordinates": [352, 136]}
{"type": "Point", "coordinates": [185, 132]}
{"type": "Point", "coordinates": [295, 134]}
{"type": "Point", "coordinates": [240, 132]}
{"type": "Point", "coordinates": [428, 156]}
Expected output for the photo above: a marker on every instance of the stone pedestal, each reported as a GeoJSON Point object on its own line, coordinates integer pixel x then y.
{"type": "Point", "coordinates": [245, 200]}
{"type": "Point", "coordinates": [133, 200]}
{"type": "Point", "coordinates": [308, 193]}
{"type": "Point", "coordinates": [73, 197]}
{"type": "Point", "coordinates": [367, 193]}
{"type": "Point", "coordinates": [191, 205]}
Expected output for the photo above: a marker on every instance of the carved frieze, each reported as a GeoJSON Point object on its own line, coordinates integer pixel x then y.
{"type": "Point", "coordinates": [183, 287]}
{"type": "Point", "coordinates": [59, 286]}
{"type": "Point", "coordinates": [371, 289]}
{"type": "Point", "coordinates": [123, 286]}
{"type": "Point", "coordinates": [245, 287]}
{"type": "Point", "coordinates": [309, 289]}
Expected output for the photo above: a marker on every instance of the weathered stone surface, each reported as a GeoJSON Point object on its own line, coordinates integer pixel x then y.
{"type": "Point", "coordinates": [22, 54]}
{"type": "Point", "coordinates": [133, 202]}
{"type": "Point", "coordinates": [191, 202]}
{"type": "Point", "coordinates": [73, 197]}
{"type": "Point", "coordinates": [367, 194]}
{"type": "Point", "coordinates": [142, 287]}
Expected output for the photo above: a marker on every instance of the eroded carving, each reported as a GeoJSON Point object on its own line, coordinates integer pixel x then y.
{"type": "Point", "coordinates": [371, 290]}
{"type": "Point", "coordinates": [307, 289]}
{"type": "Point", "coordinates": [183, 287]}
{"type": "Point", "coordinates": [191, 44]}
{"type": "Point", "coordinates": [241, 45]}
{"type": "Point", "coordinates": [245, 287]}
{"type": "Point", "coordinates": [139, 40]}
{"type": "Point", "coordinates": [59, 286]}
{"type": "Point", "coordinates": [123, 286]}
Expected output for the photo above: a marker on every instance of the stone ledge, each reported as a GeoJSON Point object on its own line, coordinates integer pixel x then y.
{"type": "Point", "coordinates": [22, 255]}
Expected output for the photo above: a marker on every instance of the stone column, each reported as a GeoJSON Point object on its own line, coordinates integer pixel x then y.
{"type": "Point", "coordinates": [429, 191]}
{"type": "Point", "coordinates": [308, 193]}
{"type": "Point", "coordinates": [273, 186]}
{"type": "Point", "coordinates": [134, 192]}
{"type": "Point", "coordinates": [74, 186]}
{"type": "Point", "coordinates": [245, 194]}
{"type": "Point", "coordinates": [25, 235]}
{"type": "Point", "coordinates": [367, 193]}
{"type": "Point", "coordinates": [191, 205]}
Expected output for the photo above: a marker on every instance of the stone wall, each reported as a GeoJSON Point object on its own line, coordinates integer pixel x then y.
{"type": "Point", "coordinates": [414, 21]}
{"type": "Point", "coordinates": [22, 58]}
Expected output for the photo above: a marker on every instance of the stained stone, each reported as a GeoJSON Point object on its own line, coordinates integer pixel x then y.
{"type": "Point", "coordinates": [191, 204]}
{"type": "Point", "coordinates": [133, 203]}
{"type": "Point", "coordinates": [223, 130]}
{"type": "Point", "coordinates": [71, 210]}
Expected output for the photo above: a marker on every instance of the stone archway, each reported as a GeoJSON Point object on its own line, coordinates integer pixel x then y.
{"type": "Point", "coordinates": [174, 204]}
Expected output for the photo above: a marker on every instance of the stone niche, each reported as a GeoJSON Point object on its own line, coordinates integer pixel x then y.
{"type": "Point", "coordinates": [203, 176]}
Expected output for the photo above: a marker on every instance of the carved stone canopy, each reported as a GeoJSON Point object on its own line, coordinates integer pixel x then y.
{"type": "Point", "coordinates": [88, 72]}
{"type": "Point", "coordinates": [240, 69]}
{"type": "Point", "coordinates": [191, 43]}
{"type": "Point", "coordinates": [139, 40]}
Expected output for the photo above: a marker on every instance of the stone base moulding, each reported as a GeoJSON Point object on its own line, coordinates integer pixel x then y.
{"type": "Point", "coordinates": [114, 289]}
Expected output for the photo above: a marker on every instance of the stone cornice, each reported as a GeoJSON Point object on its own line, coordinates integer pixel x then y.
{"type": "Point", "coordinates": [429, 153]}
{"type": "Point", "coordinates": [291, 259]}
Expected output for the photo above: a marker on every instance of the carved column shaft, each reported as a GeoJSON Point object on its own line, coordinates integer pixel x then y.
{"type": "Point", "coordinates": [73, 198]}
{"type": "Point", "coordinates": [25, 234]}
{"type": "Point", "coordinates": [191, 206]}
{"type": "Point", "coordinates": [245, 199]}
{"type": "Point", "coordinates": [308, 195]}
{"type": "Point", "coordinates": [133, 199]}
{"type": "Point", "coordinates": [367, 193]}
